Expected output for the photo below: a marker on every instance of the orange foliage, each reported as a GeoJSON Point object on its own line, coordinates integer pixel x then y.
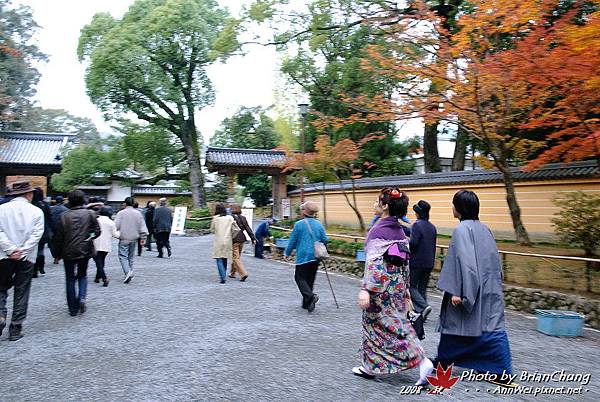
{"type": "Point", "coordinates": [506, 72]}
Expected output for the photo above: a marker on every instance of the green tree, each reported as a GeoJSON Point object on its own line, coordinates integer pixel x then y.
{"type": "Point", "coordinates": [88, 165]}
{"type": "Point", "coordinates": [18, 55]}
{"type": "Point", "coordinates": [152, 149]}
{"type": "Point", "coordinates": [247, 128]}
{"type": "Point", "coordinates": [152, 63]}
{"type": "Point", "coordinates": [57, 121]}
{"type": "Point", "coordinates": [258, 187]}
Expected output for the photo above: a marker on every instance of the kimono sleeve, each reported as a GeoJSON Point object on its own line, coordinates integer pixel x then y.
{"type": "Point", "coordinates": [459, 275]}
{"type": "Point", "coordinates": [375, 278]}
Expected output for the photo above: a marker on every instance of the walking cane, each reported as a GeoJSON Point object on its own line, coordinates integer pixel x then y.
{"type": "Point", "coordinates": [331, 287]}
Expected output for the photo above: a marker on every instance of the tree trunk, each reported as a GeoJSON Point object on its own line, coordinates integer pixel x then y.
{"type": "Point", "coordinates": [513, 206]}
{"type": "Point", "coordinates": [361, 222]}
{"type": "Point", "coordinates": [324, 204]}
{"type": "Point", "coordinates": [460, 150]}
{"type": "Point", "coordinates": [430, 148]}
{"type": "Point", "coordinates": [192, 152]}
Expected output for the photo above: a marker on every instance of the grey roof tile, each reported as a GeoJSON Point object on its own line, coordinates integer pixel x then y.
{"type": "Point", "coordinates": [244, 157]}
{"type": "Point", "coordinates": [551, 171]}
{"type": "Point", "coordinates": [20, 147]}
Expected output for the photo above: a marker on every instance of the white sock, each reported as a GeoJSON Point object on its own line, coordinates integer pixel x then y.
{"type": "Point", "coordinates": [425, 369]}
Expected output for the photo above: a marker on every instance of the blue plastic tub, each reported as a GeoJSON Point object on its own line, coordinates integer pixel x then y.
{"type": "Point", "coordinates": [281, 243]}
{"type": "Point", "coordinates": [360, 255]}
{"type": "Point", "coordinates": [559, 322]}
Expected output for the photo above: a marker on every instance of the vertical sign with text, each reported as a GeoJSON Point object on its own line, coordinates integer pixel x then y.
{"type": "Point", "coordinates": [179, 216]}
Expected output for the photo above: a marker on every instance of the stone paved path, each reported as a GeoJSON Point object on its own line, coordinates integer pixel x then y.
{"type": "Point", "coordinates": [175, 333]}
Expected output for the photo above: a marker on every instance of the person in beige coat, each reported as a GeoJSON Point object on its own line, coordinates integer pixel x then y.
{"type": "Point", "coordinates": [225, 229]}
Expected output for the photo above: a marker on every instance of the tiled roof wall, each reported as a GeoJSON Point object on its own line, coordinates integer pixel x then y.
{"type": "Point", "coordinates": [549, 172]}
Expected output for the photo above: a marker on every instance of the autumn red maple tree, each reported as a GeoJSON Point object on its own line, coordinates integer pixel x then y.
{"type": "Point", "coordinates": [517, 77]}
{"type": "Point", "coordinates": [334, 161]}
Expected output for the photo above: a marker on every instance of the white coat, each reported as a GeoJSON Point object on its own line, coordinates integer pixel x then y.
{"type": "Point", "coordinates": [108, 230]}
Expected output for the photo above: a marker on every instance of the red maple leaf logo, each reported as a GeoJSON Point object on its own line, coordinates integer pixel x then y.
{"type": "Point", "coordinates": [443, 380]}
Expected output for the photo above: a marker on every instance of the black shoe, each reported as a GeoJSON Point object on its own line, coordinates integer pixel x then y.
{"type": "Point", "coordinates": [243, 278]}
{"type": "Point", "coordinates": [97, 280]}
{"type": "Point", "coordinates": [169, 252]}
{"type": "Point", "coordinates": [160, 256]}
{"type": "Point", "coordinates": [425, 313]}
{"type": "Point", "coordinates": [35, 275]}
{"type": "Point", "coordinates": [14, 332]}
{"type": "Point", "coordinates": [81, 307]}
{"type": "Point", "coordinates": [42, 272]}
{"type": "Point", "coordinates": [105, 283]}
{"type": "Point", "coordinates": [222, 281]}
{"type": "Point", "coordinates": [73, 313]}
{"type": "Point", "coordinates": [359, 371]}
{"type": "Point", "coordinates": [313, 302]}
{"type": "Point", "coordinates": [2, 324]}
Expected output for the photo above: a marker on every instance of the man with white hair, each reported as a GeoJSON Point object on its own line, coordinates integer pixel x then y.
{"type": "Point", "coordinates": [163, 219]}
{"type": "Point", "coordinates": [21, 228]}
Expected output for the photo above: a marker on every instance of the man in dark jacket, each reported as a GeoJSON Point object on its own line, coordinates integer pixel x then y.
{"type": "Point", "coordinates": [149, 218]}
{"type": "Point", "coordinates": [422, 257]}
{"type": "Point", "coordinates": [262, 231]}
{"type": "Point", "coordinates": [163, 220]}
{"type": "Point", "coordinates": [73, 242]}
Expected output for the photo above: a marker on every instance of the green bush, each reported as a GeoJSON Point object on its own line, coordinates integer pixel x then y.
{"type": "Point", "coordinates": [578, 222]}
{"type": "Point", "coordinates": [197, 225]}
{"type": "Point", "coordinates": [181, 200]}
{"type": "Point", "coordinates": [200, 213]}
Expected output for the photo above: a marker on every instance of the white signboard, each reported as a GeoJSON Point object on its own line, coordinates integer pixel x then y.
{"type": "Point", "coordinates": [179, 216]}
{"type": "Point", "coordinates": [248, 213]}
{"type": "Point", "coordinates": [285, 208]}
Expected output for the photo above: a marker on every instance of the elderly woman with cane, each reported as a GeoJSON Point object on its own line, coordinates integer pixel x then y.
{"type": "Point", "coordinates": [390, 344]}
{"type": "Point", "coordinates": [302, 239]}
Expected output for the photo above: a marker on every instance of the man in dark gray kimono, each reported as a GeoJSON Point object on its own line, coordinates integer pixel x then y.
{"type": "Point", "coordinates": [472, 312]}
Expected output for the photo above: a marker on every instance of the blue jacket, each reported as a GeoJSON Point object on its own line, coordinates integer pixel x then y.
{"type": "Point", "coordinates": [422, 245]}
{"type": "Point", "coordinates": [302, 241]}
{"type": "Point", "coordinates": [262, 231]}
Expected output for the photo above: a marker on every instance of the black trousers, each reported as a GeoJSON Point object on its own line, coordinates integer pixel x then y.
{"type": "Point", "coordinates": [149, 242]}
{"type": "Point", "coordinates": [15, 274]}
{"type": "Point", "coordinates": [305, 279]}
{"type": "Point", "coordinates": [162, 240]}
{"type": "Point", "coordinates": [419, 277]}
{"type": "Point", "coordinates": [99, 259]}
{"type": "Point", "coordinates": [259, 248]}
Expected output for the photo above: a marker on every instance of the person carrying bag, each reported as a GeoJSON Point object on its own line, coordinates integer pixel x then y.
{"type": "Point", "coordinates": [305, 234]}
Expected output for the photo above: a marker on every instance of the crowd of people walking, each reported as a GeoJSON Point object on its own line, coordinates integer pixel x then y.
{"type": "Point", "coordinates": [75, 233]}
{"type": "Point", "coordinates": [393, 295]}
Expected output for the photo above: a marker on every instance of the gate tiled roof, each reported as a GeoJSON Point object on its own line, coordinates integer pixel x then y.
{"type": "Point", "coordinates": [232, 157]}
{"type": "Point", "coordinates": [31, 148]}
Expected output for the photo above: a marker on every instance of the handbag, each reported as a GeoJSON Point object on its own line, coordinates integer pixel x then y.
{"type": "Point", "coordinates": [320, 249]}
{"type": "Point", "coordinates": [240, 237]}
{"type": "Point", "coordinates": [235, 230]}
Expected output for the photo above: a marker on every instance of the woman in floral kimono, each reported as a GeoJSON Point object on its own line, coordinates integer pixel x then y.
{"type": "Point", "coordinates": [390, 344]}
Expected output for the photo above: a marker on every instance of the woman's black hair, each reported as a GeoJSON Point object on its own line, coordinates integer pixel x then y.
{"type": "Point", "coordinates": [396, 200]}
{"type": "Point", "coordinates": [105, 211]}
{"type": "Point", "coordinates": [466, 204]}
{"type": "Point", "coordinates": [220, 209]}
{"type": "Point", "coordinates": [76, 198]}
{"type": "Point", "coordinates": [38, 195]}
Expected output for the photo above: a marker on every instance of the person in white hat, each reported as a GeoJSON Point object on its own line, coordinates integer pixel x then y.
{"type": "Point", "coordinates": [21, 228]}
